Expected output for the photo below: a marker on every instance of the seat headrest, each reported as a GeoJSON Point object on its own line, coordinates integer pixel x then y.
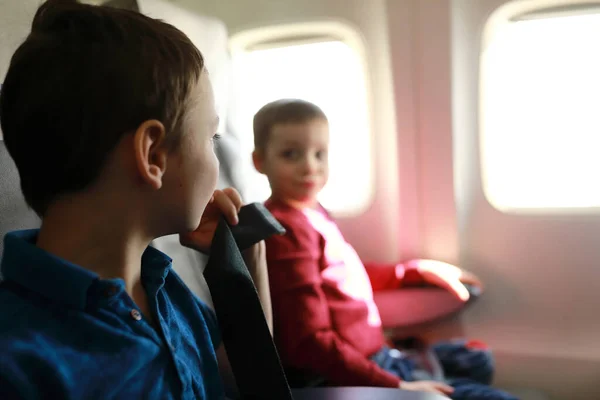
{"type": "Point", "coordinates": [15, 20]}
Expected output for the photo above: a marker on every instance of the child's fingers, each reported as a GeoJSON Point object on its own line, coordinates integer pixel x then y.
{"type": "Point", "coordinates": [235, 197]}
{"type": "Point", "coordinates": [451, 284]}
{"type": "Point", "coordinates": [226, 205]}
{"type": "Point", "coordinates": [470, 279]}
{"type": "Point", "coordinates": [427, 386]}
{"type": "Point", "coordinates": [442, 387]}
{"type": "Point", "coordinates": [458, 289]}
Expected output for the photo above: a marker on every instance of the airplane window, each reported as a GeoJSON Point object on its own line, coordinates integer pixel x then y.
{"type": "Point", "coordinates": [329, 74]}
{"type": "Point", "coordinates": [540, 125]}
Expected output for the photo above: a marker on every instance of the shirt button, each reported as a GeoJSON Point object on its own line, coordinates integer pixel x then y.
{"type": "Point", "coordinates": [111, 291]}
{"type": "Point", "coordinates": [135, 314]}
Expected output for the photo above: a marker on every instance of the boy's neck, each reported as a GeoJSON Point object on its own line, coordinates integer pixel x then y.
{"type": "Point", "coordinates": [298, 205]}
{"type": "Point", "coordinates": [103, 238]}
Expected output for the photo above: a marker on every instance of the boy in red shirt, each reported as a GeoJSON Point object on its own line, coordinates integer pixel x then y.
{"type": "Point", "coordinates": [325, 320]}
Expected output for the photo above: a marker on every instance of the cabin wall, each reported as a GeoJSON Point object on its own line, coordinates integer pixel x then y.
{"type": "Point", "coordinates": [540, 311]}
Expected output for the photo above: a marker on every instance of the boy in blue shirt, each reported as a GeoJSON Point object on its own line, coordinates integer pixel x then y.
{"type": "Point", "coordinates": [109, 116]}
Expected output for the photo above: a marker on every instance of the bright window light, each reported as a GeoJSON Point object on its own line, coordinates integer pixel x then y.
{"type": "Point", "coordinates": [540, 114]}
{"type": "Point", "coordinates": [329, 74]}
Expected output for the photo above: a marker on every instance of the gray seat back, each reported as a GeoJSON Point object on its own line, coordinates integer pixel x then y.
{"type": "Point", "coordinates": [14, 213]}
{"type": "Point", "coordinates": [15, 20]}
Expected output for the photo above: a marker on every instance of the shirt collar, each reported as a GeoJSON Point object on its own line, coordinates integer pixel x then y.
{"type": "Point", "coordinates": [57, 279]}
{"type": "Point", "coordinates": [155, 264]}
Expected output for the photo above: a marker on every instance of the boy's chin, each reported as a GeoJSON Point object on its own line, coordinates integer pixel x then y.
{"type": "Point", "coordinates": [307, 200]}
{"type": "Point", "coordinates": [185, 224]}
{"type": "Point", "coordinates": [193, 224]}
{"type": "Point", "coordinates": [308, 196]}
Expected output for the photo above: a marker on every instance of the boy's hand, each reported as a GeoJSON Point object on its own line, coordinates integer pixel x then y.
{"type": "Point", "coordinates": [223, 203]}
{"type": "Point", "coordinates": [449, 277]}
{"type": "Point", "coordinates": [427, 386]}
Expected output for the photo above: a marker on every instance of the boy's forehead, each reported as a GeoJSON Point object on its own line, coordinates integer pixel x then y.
{"type": "Point", "coordinates": [204, 84]}
{"type": "Point", "coordinates": [202, 94]}
{"type": "Point", "coordinates": [300, 131]}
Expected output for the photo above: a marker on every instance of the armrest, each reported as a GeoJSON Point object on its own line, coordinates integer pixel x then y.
{"type": "Point", "coordinates": [361, 393]}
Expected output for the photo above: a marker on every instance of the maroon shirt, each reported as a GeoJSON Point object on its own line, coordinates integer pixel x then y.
{"type": "Point", "coordinates": [325, 319]}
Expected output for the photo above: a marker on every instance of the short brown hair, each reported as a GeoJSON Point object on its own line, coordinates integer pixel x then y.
{"type": "Point", "coordinates": [83, 78]}
{"type": "Point", "coordinates": [283, 111]}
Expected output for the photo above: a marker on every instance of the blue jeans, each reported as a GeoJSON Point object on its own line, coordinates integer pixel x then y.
{"type": "Point", "coordinates": [470, 378]}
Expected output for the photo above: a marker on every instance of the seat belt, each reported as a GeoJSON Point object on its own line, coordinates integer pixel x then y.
{"type": "Point", "coordinates": [244, 329]}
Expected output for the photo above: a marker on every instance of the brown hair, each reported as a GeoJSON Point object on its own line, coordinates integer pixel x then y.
{"type": "Point", "coordinates": [283, 111]}
{"type": "Point", "coordinates": [83, 78]}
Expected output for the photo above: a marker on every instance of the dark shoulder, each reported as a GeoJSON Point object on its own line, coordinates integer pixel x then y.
{"type": "Point", "coordinates": [15, 307]}
{"type": "Point", "coordinates": [31, 334]}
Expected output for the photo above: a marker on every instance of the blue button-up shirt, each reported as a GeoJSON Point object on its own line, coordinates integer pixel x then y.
{"type": "Point", "coordinates": [67, 334]}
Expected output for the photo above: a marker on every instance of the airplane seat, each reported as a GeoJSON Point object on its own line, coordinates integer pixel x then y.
{"type": "Point", "coordinates": [15, 20]}
{"type": "Point", "coordinates": [14, 213]}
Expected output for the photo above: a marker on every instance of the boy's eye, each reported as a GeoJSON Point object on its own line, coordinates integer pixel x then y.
{"type": "Point", "coordinates": [216, 137]}
{"type": "Point", "coordinates": [321, 154]}
{"type": "Point", "coordinates": [290, 154]}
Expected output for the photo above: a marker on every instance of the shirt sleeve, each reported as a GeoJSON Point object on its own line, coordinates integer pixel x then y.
{"type": "Point", "coordinates": [24, 375]}
{"type": "Point", "coordinates": [11, 388]}
{"type": "Point", "coordinates": [393, 276]}
{"type": "Point", "coordinates": [303, 328]}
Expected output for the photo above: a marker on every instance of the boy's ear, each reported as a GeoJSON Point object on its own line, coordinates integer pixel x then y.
{"type": "Point", "coordinates": [257, 160]}
{"type": "Point", "coordinates": [150, 152]}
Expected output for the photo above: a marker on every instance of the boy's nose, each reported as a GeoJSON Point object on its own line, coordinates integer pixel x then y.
{"type": "Point", "coordinates": [310, 165]}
